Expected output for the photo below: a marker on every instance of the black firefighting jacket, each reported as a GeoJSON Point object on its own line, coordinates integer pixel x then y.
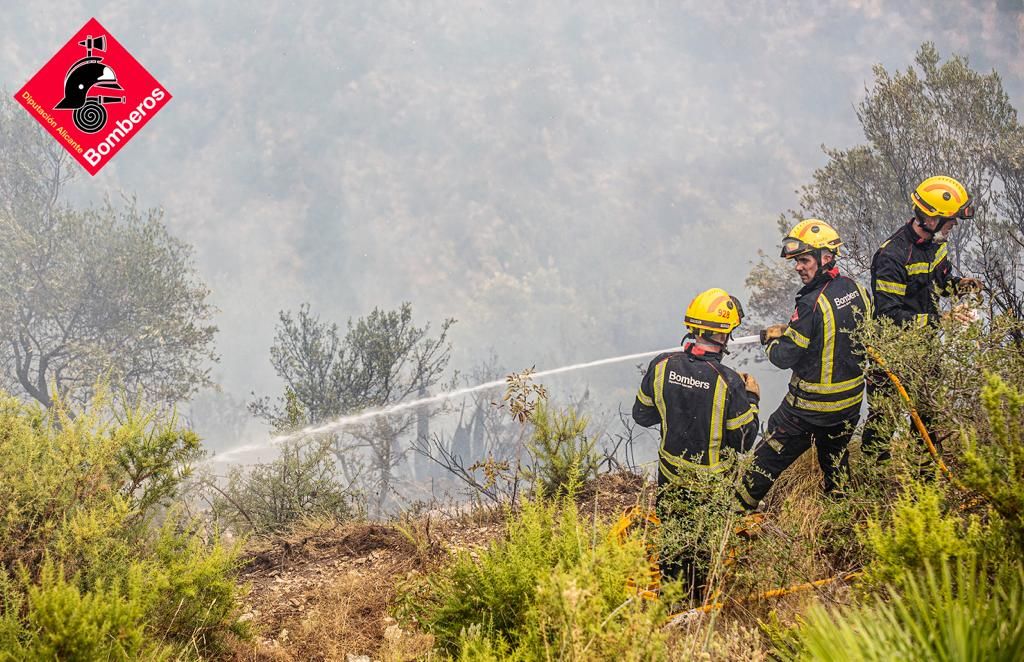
{"type": "Point", "coordinates": [701, 405]}
{"type": "Point", "coordinates": [907, 276]}
{"type": "Point", "coordinates": [827, 386]}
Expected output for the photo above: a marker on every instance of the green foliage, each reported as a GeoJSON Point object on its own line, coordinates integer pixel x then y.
{"type": "Point", "coordinates": [496, 590]}
{"type": "Point", "coordinates": [382, 359]}
{"type": "Point", "coordinates": [179, 595]}
{"type": "Point", "coordinates": [83, 574]}
{"type": "Point", "coordinates": [697, 522]}
{"type": "Point", "coordinates": [951, 612]}
{"type": "Point", "coordinates": [946, 373]}
{"type": "Point", "coordinates": [946, 551]}
{"type": "Point", "coordinates": [784, 640]}
{"type": "Point", "coordinates": [197, 601]}
{"type": "Point", "coordinates": [81, 487]}
{"type": "Point", "coordinates": [89, 294]}
{"type": "Point", "coordinates": [302, 482]}
{"type": "Point", "coordinates": [476, 646]}
{"type": "Point", "coordinates": [969, 379]}
{"type": "Point", "coordinates": [840, 535]}
{"type": "Point", "coordinates": [61, 622]}
{"type": "Point", "coordinates": [994, 466]}
{"type": "Point", "coordinates": [562, 456]}
{"type": "Point", "coordinates": [919, 532]}
{"type": "Point", "coordinates": [555, 588]}
{"type": "Point", "coordinates": [155, 455]}
{"type": "Point", "coordinates": [582, 613]}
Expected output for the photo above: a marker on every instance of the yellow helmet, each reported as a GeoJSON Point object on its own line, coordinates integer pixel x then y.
{"type": "Point", "coordinates": [714, 310]}
{"type": "Point", "coordinates": [809, 236]}
{"type": "Point", "coordinates": [942, 196]}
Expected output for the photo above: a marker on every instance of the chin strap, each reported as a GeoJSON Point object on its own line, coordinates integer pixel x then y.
{"type": "Point", "coordinates": [832, 271]}
{"type": "Point", "coordinates": [930, 232]}
{"type": "Point", "coordinates": [942, 224]}
{"type": "Point", "coordinates": [697, 350]}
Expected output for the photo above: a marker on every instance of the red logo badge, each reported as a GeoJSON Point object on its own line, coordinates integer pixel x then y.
{"type": "Point", "coordinates": [93, 96]}
{"type": "Point", "coordinates": [796, 315]}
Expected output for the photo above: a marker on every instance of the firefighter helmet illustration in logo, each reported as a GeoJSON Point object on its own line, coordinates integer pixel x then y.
{"type": "Point", "coordinates": [87, 75]}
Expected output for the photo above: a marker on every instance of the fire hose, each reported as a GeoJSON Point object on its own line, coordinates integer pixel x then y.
{"type": "Point", "coordinates": [649, 587]}
{"type": "Point", "coordinates": [918, 423]}
{"type": "Point", "coordinates": [684, 616]}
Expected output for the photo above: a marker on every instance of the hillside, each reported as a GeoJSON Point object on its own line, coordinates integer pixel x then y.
{"type": "Point", "coordinates": [328, 591]}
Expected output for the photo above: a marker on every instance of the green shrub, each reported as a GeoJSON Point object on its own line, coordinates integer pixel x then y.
{"type": "Point", "coordinates": [80, 487]}
{"type": "Point", "coordinates": [955, 611]}
{"type": "Point", "coordinates": [476, 646]}
{"type": "Point", "coordinates": [495, 591]}
{"type": "Point", "coordinates": [697, 524]}
{"type": "Point", "coordinates": [562, 456]}
{"type": "Point", "coordinates": [83, 572]}
{"type": "Point", "coordinates": [554, 588]}
{"type": "Point", "coordinates": [920, 532]}
{"type": "Point", "coordinates": [61, 622]}
{"type": "Point", "coordinates": [994, 465]}
{"type": "Point", "coordinates": [947, 375]}
{"type": "Point", "coordinates": [784, 639]}
{"type": "Point", "coordinates": [582, 612]}
{"type": "Point", "coordinates": [304, 481]}
{"type": "Point", "coordinates": [970, 379]}
{"type": "Point", "coordinates": [839, 534]}
{"type": "Point", "coordinates": [199, 592]}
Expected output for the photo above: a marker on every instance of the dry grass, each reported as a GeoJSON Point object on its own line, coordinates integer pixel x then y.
{"type": "Point", "coordinates": [708, 640]}
{"type": "Point", "coordinates": [350, 617]}
{"type": "Point", "coordinates": [609, 495]}
{"type": "Point", "coordinates": [324, 590]}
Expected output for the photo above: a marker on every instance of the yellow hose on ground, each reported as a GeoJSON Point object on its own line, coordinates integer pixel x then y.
{"type": "Point", "coordinates": [683, 616]}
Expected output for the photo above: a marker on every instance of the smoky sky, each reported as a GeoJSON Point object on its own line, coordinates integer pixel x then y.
{"type": "Point", "coordinates": [562, 178]}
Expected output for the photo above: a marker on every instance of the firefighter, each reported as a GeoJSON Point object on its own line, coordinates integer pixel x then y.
{"type": "Point", "coordinates": [702, 407]}
{"type": "Point", "coordinates": [827, 387]}
{"type": "Point", "coordinates": [909, 271]}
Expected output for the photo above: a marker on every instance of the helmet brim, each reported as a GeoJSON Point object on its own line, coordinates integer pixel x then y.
{"type": "Point", "coordinates": [706, 325]}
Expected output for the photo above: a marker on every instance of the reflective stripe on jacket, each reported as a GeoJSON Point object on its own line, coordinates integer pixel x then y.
{"type": "Point", "coordinates": [827, 385]}
{"type": "Point", "coordinates": [907, 276]}
{"type": "Point", "coordinates": [701, 405]}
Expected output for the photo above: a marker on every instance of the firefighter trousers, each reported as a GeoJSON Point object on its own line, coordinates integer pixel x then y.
{"type": "Point", "coordinates": [677, 507]}
{"type": "Point", "coordinates": [878, 446]}
{"type": "Point", "coordinates": [786, 438]}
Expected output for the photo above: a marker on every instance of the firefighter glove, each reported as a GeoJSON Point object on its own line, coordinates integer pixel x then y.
{"type": "Point", "coordinates": [751, 385]}
{"type": "Point", "coordinates": [962, 313]}
{"type": "Point", "coordinates": [749, 526]}
{"type": "Point", "coordinates": [772, 332]}
{"type": "Point", "coordinates": [969, 286]}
